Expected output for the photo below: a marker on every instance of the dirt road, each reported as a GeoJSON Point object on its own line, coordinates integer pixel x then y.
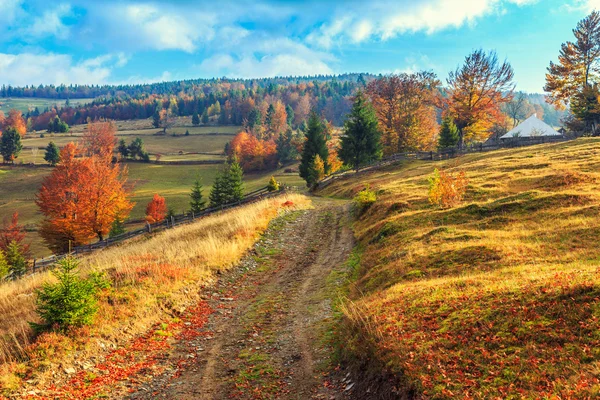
{"type": "Point", "coordinates": [267, 337]}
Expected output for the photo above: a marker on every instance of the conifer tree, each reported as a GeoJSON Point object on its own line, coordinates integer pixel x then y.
{"type": "Point", "coordinates": [316, 172]}
{"type": "Point", "coordinates": [314, 145]}
{"type": "Point", "coordinates": [10, 144]}
{"type": "Point", "coordinates": [286, 151]}
{"type": "Point", "coordinates": [156, 118]}
{"type": "Point", "coordinates": [4, 269]}
{"type": "Point", "coordinates": [15, 259]}
{"type": "Point", "coordinates": [290, 114]}
{"type": "Point", "coordinates": [361, 140]}
{"type": "Point", "coordinates": [205, 117]}
{"type": "Point", "coordinates": [195, 119]}
{"type": "Point", "coordinates": [52, 155]}
{"type": "Point", "coordinates": [123, 149]}
{"type": "Point", "coordinates": [197, 201]}
{"type": "Point", "coordinates": [448, 134]}
{"type": "Point", "coordinates": [117, 228]}
{"type": "Point", "coordinates": [228, 186]}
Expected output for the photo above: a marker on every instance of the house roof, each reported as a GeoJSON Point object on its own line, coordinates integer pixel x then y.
{"type": "Point", "coordinates": [531, 127]}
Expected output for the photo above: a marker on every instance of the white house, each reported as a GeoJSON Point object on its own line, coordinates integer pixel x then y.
{"type": "Point", "coordinates": [532, 127]}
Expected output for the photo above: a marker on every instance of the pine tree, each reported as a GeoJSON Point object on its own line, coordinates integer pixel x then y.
{"type": "Point", "coordinates": [197, 201]}
{"type": "Point", "coordinates": [228, 186]}
{"type": "Point", "coordinates": [361, 140]}
{"type": "Point", "coordinates": [286, 151]}
{"type": "Point", "coordinates": [269, 116]}
{"type": "Point", "coordinates": [290, 114]}
{"type": "Point", "coordinates": [205, 117]}
{"type": "Point", "coordinates": [16, 261]}
{"type": "Point", "coordinates": [316, 172]}
{"type": "Point", "coordinates": [123, 149]}
{"type": "Point", "coordinates": [10, 144]}
{"type": "Point", "coordinates": [52, 155]}
{"type": "Point", "coordinates": [315, 145]}
{"type": "Point", "coordinates": [117, 228]}
{"type": "Point", "coordinates": [448, 134]}
{"type": "Point", "coordinates": [156, 118]}
{"type": "Point", "coordinates": [195, 119]}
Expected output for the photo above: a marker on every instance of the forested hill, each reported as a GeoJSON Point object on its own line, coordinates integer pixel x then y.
{"type": "Point", "coordinates": [189, 86]}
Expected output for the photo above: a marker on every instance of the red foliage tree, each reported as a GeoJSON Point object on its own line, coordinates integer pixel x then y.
{"type": "Point", "coordinates": [13, 232]}
{"type": "Point", "coordinates": [15, 120]}
{"type": "Point", "coordinates": [156, 210]}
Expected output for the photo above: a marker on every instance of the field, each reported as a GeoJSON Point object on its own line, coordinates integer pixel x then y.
{"type": "Point", "coordinates": [494, 298]}
{"type": "Point", "coordinates": [26, 104]}
{"type": "Point", "coordinates": [20, 183]}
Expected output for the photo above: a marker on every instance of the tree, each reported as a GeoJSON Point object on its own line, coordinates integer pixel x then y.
{"type": "Point", "coordinates": [10, 145]}
{"type": "Point", "coordinates": [195, 119]}
{"type": "Point", "coordinates": [15, 120]}
{"type": "Point", "coordinates": [166, 119]}
{"type": "Point", "coordinates": [290, 115]}
{"type": "Point", "coordinates": [448, 134]}
{"type": "Point", "coordinates": [253, 154]}
{"type": "Point", "coordinates": [100, 139]}
{"type": "Point", "coordinates": [117, 228]}
{"type": "Point", "coordinates": [285, 147]}
{"type": "Point", "coordinates": [17, 264]}
{"type": "Point", "coordinates": [57, 126]}
{"type": "Point", "coordinates": [316, 171]}
{"type": "Point", "coordinates": [518, 108]}
{"type": "Point", "coordinates": [81, 198]}
{"type": "Point", "coordinates": [123, 149]}
{"type": "Point", "coordinates": [4, 269]}
{"type": "Point", "coordinates": [156, 210]}
{"type": "Point", "coordinates": [404, 105]}
{"type": "Point", "coordinates": [228, 186]}
{"type": "Point", "coordinates": [578, 63]}
{"type": "Point", "coordinates": [136, 149]}
{"type": "Point", "coordinates": [273, 185]}
{"type": "Point", "coordinates": [314, 145]}
{"type": "Point", "coordinates": [205, 117]}
{"type": "Point", "coordinates": [197, 201]}
{"type": "Point", "coordinates": [278, 120]}
{"type": "Point", "coordinates": [156, 118]}
{"type": "Point", "coordinates": [361, 138]}
{"type": "Point", "coordinates": [13, 232]}
{"type": "Point", "coordinates": [477, 91]}
{"type": "Point", "coordinates": [52, 155]}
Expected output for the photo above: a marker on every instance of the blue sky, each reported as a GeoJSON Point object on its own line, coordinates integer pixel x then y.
{"type": "Point", "coordinates": [109, 41]}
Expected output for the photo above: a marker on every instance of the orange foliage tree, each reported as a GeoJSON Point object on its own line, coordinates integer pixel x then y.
{"type": "Point", "coordinates": [405, 108]}
{"type": "Point", "coordinates": [14, 120]}
{"type": "Point", "coordinates": [13, 232]}
{"type": "Point", "coordinates": [279, 120]}
{"type": "Point", "coordinates": [252, 153]}
{"type": "Point", "coordinates": [81, 199]}
{"type": "Point", "coordinates": [156, 210]}
{"type": "Point", "coordinates": [447, 190]}
{"type": "Point", "coordinates": [100, 140]}
{"type": "Point", "coordinates": [477, 91]}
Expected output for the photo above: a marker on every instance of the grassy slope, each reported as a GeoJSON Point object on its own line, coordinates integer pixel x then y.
{"type": "Point", "coordinates": [25, 104]}
{"type": "Point", "coordinates": [497, 297]}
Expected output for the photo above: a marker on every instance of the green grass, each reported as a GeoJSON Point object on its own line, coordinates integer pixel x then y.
{"type": "Point", "coordinates": [26, 104]}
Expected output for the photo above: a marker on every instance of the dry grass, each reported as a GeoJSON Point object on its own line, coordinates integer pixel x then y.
{"type": "Point", "coordinates": [497, 297]}
{"type": "Point", "coordinates": [152, 278]}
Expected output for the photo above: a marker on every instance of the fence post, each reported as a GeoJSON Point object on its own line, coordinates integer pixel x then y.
{"type": "Point", "coordinates": [431, 155]}
{"type": "Point", "coordinates": [172, 221]}
{"type": "Point", "coordinates": [149, 227]}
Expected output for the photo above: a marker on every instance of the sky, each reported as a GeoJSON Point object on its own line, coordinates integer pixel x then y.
{"type": "Point", "coordinates": [121, 42]}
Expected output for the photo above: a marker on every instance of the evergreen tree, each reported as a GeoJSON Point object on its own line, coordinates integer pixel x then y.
{"type": "Point", "coordinates": [290, 114]}
{"type": "Point", "coordinates": [286, 151]}
{"type": "Point", "coordinates": [136, 148]}
{"type": "Point", "coordinates": [316, 172]}
{"type": "Point", "coordinates": [52, 155]}
{"type": "Point", "coordinates": [195, 119]}
{"type": "Point", "coordinates": [156, 118]}
{"type": "Point", "coordinates": [205, 117]}
{"type": "Point", "coordinates": [17, 264]}
{"type": "Point", "coordinates": [361, 140]}
{"type": "Point", "coordinates": [314, 145]}
{"type": "Point", "coordinates": [10, 144]}
{"type": "Point", "coordinates": [197, 201]}
{"type": "Point", "coordinates": [187, 132]}
{"type": "Point", "coordinates": [269, 116]}
{"type": "Point", "coordinates": [117, 228]}
{"type": "Point", "coordinates": [254, 118]}
{"type": "Point", "coordinates": [4, 268]}
{"type": "Point", "coordinates": [123, 149]}
{"type": "Point", "coordinates": [448, 134]}
{"type": "Point", "coordinates": [228, 186]}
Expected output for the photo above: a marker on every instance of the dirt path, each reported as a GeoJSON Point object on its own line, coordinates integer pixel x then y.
{"type": "Point", "coordinates": [273, 312]}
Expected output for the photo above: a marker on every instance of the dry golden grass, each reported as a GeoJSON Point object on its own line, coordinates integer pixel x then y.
{"type": "Point", "coordinates": [497, 297]}
{"type": "Point", "coordinates": [152, 277]}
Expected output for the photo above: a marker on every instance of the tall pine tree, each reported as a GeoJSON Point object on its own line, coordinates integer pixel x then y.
{"type": "Point", "coordinates": [10, 144]}
{"type": "Point", "coordinates": [228, 186]}
{"type": "Point", "coordinates": [197, 201]}
{"type": "Point", "coordinates": [448, 134]}
{"type": "Point", "coordinates": [315, 145]}
{"type": "Point", "coordinates": [361, 141]}
{"type": "Point", "coordinates": [195, 119]}
{"type": "Point", "coordinates": [52, 155]}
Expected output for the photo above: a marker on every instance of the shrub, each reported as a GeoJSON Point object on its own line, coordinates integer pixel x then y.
{"type": "Point", "coordinates": [273, 185]}
{"type": "Point", "coordinates": [71, 302]}
{"type": "Point", "coordinates": [364, 199]}
{"type": "Point", "coordinates": [4, 269]}
{"type": "Point", "coordinates": [17, 264]}
{"type": "Point", "coordinates": [447, 190]}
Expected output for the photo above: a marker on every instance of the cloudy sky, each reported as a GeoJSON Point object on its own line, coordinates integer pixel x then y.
{"type": "Point", "coordinates": [87, 41]}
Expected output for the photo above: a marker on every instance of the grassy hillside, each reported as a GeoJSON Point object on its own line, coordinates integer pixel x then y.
{"type": "Point", "coordinates": [26, 104]}
{"type": "Point", "coordinates": [495, 298]}
{"type": "Point", "coordinates": [152, 279]}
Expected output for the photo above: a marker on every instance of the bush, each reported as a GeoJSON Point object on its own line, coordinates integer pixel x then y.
{"type": "Point", "coordinates": [71, 302]}
{"type": "Point", "coordinates": [4, 269]}
{"type": "Point", "coordinates": [447, 190]}
{"type": "Point", "coordinates": [364, 199]}
{"type": "Point", "coordinates": [17, 264]}
{"type": "Point", "coordinates": [273, 185]}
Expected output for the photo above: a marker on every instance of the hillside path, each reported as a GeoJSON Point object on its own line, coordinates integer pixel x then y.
{"type": "Point", "coordinates": [272, 313]}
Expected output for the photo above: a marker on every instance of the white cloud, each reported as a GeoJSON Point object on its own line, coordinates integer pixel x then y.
{"type": "Point", "coordinates": [28, 68]}
{"type": "Point", "coordinates": [591, 5]}
{"type": "Point", "coordinates": [50, 23]}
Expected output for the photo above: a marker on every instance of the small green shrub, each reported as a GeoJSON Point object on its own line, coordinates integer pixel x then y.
{"type": "Point", "coordinates": [17, 264]}
{"type": "Point", "coordinates": [71, 302]}
{"type": "Point", "coordinates": [273, 185]}
{"type": "Point", "coordinates": [4, 269]}
{"type": "Point", "coordinates": [364, 199]}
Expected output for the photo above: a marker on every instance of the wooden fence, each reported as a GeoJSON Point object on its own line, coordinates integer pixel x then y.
{"type": "Point", "coordinates": [45, 263]}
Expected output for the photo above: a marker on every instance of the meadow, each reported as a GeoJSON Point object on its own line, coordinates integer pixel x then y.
{"type": "Point", "coordinates": [494, 298]}
{"type": "Point", "coordinates": [27, 104]}
{"type": "Point", "coordinates": [20, 183]}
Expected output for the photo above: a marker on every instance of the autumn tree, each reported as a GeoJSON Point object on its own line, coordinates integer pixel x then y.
{"type": "Point", "coordinates": [477, 90]}
{"type": "Point", "coordinates": [100, 139]}
{"type": "Point", "coordinates": [518, 108]}
{"type": "Point", "coordinates": [52, 155]}
{"type": "Point", "coordinates": [13, 232]}
{"type": "Point", "coordinates": [15, 120]}
{"type": "Point", "coordinates": [253, 154]}
{"type": "Point", "coordinates": [156, 210]}
{"type": "Point", "coordinates": [314, 145]}
{"type": "Point", "coordinates": [10, 144]}
{"type": "Point", "coordinates": [360, 142]}
{"type": "Point", "coordinates": [166, 119]}
{"type": "Point", "coordinates": [404, 105]}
